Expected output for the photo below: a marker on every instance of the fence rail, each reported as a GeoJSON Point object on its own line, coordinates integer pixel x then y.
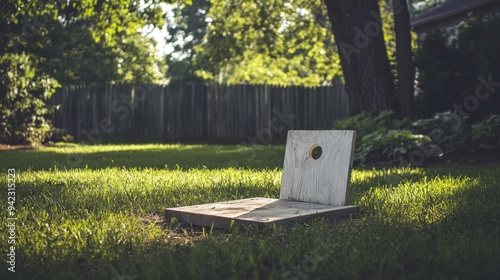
{"type": "Point", "coordinates": [195, 112]}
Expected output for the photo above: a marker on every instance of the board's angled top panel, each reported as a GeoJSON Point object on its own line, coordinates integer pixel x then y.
{"type": "Point", "coordinates": [317, 166]}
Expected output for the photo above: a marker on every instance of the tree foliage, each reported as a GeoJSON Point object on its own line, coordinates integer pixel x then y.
{"type": "Point", "coordinates": [186, 30]}
{"type": "Point", "coordinates": [275, 42]}
{"type": "Point", "coordinates": [84, 41]}
{"type": "Point", "coordinates": [23, 93]}
{"type": "Point", "coordinates": [47, 42]}
{"type": "Point", "coordinates": [417, 7]}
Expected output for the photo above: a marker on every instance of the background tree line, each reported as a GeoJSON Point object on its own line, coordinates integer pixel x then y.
{"type": "Point", "coordinates": [45, 44]}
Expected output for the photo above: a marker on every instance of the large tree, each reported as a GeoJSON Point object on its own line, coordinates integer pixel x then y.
{"type": "Point", "coordinates": [289, 42]}
{"type": "Point", "coordinates": [404, 57]}
{"type": "Point", "coordinates": [357, 27]}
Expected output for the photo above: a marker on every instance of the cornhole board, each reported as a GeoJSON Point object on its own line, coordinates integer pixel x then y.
{"type": "Point", "coordinates": [316, 175]}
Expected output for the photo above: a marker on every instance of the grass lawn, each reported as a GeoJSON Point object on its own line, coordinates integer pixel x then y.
{"type": "Point", "coordinates": [95, 212]}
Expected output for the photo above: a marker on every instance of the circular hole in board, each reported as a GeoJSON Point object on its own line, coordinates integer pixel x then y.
{"type": "Point", "coordinates": [315, 152]}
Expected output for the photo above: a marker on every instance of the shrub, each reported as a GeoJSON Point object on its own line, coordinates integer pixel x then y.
{"type": "Point", "coordinates": [24, 91]}
{"type": "Point", "coordinates": [448, 129]}
{"type": "Point", "coordinates": [383, 138]}
{"type": "Point", "coordinates": [59, 135]}
{"type": "Point", "coordinates": [380, 137]}
{"type": "Point", "coordinates": [486, 133]}
{"type": "Point", "coordinates": [393, 144]}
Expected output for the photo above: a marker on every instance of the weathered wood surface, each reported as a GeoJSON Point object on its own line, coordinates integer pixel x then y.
{"type": "Point", "coordinates": [195, 112]}
{"type": "Point", "coordinates": [313, 185]}
{"type": "Point", "coordinates": [258, 210]}
{"type": "Point", "coordinates": [324, 180]}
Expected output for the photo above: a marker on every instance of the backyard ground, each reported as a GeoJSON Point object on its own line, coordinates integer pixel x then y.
{"type": "Point", "coordinates": [95, 212]}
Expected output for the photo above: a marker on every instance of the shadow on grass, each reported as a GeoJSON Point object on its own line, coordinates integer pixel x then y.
{"type": "Point", "coordinates": [462, 243]}
{"type": "Point", "coordinates": [466, 241]}
{"type": "Point", "coordinates": [443, 224]}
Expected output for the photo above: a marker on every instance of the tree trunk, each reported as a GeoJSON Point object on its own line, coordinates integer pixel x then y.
{"type": "Point", "coordinates": [357, 27]}
{"type": "Point", "coordinates": [405, 66]}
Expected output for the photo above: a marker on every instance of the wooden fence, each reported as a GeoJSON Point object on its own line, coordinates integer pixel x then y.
{"type": "Point", "coordinates": [195, 112]}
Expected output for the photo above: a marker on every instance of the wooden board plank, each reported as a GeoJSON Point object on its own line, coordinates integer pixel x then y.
{"type": "Point", "coordinates": [257, 210]}
{"type": "Point", "coordinates": [324, 180]}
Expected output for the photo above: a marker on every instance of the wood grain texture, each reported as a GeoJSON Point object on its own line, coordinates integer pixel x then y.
{"type": "Point", "coordinates": [324, 180]}
{"type": "Point", "coordinates": [257, 210]}
{"type": "Point", "coordinates": [310, 188]}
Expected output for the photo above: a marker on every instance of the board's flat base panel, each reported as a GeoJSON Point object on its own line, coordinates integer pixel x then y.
{"type": "Point", "coordinates": [315, 182]}
{"type": "Point", "coordinates": [257, 210]}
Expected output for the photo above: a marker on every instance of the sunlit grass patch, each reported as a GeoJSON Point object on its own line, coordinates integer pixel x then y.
{"type": "Point", "coordinates": [99, 221]}
{"type": "Point", "coordinates": [160, 156]}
